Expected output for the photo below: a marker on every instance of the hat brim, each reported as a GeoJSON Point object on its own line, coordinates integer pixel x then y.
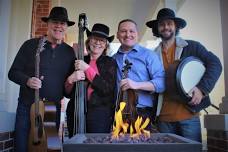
{"type": "Point", "coordinates": [180, 23]}
{"type": "Point", "coordinates": [110, 39]}
{"type": "Point", "coordinates": [69, 23]}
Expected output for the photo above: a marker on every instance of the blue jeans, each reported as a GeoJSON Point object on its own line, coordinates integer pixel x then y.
{"type": "Point", "coordinates": [189, 128]}
{"type": "Point", "coordinates": [22, 127]}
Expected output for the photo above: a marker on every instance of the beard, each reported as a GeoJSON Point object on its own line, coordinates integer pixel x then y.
{"type": "Point", "coordinates": [166, 37]}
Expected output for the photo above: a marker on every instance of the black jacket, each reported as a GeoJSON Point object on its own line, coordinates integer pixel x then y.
{"type": "Point", "coordinates": [103, 85]}
{"type": "Point", "coordinates": [55, 65]}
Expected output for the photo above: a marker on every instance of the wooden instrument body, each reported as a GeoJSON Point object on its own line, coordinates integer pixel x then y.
{"type": "Point", "coordinates": [37, 137]}
{"type": "Point", "coordinates": [129, 97]}
{"type": "Point", "coordinates": [54, 143]}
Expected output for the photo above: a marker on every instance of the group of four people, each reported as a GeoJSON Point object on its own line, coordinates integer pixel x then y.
{"type": "Point", "coordinates": [60, 70]}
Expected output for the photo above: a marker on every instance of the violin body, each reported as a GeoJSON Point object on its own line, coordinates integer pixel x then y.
{"type": "Point", "coordinates": [129, 97]}
{"type": "Point", "coordinates": [37, 137]}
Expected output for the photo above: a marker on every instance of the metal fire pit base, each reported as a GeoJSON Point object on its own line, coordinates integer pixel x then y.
{"type": "Point", "coordinates": [181, 145]}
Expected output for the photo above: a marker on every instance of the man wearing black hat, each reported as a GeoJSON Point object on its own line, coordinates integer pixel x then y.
{"type": "Point", "coordinates": [56, 61]}
{"type": "Point", "coordinates": [174, 116]}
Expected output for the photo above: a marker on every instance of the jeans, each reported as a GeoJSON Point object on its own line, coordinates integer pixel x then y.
{"type": "Point", "coordinates": [189, 128]}
{"type": "Point", "coordinates": [22, 127]}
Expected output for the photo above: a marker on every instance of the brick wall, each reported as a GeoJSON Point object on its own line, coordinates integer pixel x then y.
{"type": "Point", "coordinates": [41, 8]}
{"type": "Point", "coordinates": [6, 141]}
{"type": "Point", "coordinates": [217, 141]}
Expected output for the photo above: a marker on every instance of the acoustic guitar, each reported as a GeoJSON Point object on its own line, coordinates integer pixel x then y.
{"type": "Point", "coordinates": [37, 138]}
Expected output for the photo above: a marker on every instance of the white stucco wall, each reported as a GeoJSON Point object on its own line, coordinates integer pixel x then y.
{"type": "Point", "coordinates": [20, 25]}
{"type": "Point", "coordinates": [15, 21]}
{"type": "Point", "coordinates": [5, 12]}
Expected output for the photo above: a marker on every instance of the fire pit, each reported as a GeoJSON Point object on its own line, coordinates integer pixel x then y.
{"type": "Point", "coordinates": [158, 142]}
{"type": "Point", "coordinates": [130, 137]}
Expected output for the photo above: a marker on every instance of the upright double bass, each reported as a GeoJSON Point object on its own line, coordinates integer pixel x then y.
{"type": "Point", "coordinates": [80, 102]}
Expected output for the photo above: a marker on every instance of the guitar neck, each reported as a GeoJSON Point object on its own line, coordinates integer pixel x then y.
{"type": "Point", "coordinates": [37, 75]}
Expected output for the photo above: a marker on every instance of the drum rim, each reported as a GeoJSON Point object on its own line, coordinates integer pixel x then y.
{"type": "Point", "coordinates": [178, 76]}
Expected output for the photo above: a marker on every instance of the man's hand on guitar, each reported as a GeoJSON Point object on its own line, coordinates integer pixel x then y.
{"type": "Point", "coordinates": [34, 82]}
{"type": "Point", "coordinates": [197, 96]}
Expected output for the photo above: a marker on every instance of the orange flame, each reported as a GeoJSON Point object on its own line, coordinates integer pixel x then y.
{"type": "Point", "coordinates": [136, 129]}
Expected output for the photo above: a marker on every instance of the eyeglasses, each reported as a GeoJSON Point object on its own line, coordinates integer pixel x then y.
{"type": "Point", "coordinates": [97, 39]}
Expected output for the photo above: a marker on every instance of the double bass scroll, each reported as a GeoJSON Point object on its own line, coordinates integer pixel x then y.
{"type": "Point", "coordinates": [80, 110]}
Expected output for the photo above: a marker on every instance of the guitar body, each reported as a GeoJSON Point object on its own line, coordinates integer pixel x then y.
{"type": "Point", "coordinates": [37, 137]}
{"type": "Point", "coordinates": [53, 140]}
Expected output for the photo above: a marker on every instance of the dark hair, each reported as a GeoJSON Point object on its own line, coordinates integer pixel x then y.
{"type": "Point", "coordinates": [127, 20]}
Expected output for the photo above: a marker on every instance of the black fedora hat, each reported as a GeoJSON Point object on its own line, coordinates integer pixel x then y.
{"type": "Point", "coordinates": [165, 13]}
{"type": "Point", "coordinates": [100, 30]}
{"type": "Point", "coordinates": [58, 14]}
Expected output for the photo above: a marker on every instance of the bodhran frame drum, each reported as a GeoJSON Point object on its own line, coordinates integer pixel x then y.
{"type": "Point", "coordinates": [181, 77]}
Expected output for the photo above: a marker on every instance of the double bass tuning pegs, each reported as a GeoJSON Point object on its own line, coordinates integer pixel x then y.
{"type": "Point", "coordinates": [82, 21]}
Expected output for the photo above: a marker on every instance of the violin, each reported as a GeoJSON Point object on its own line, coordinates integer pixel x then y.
{"type": "Point", "coordinates": [129, 97]}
